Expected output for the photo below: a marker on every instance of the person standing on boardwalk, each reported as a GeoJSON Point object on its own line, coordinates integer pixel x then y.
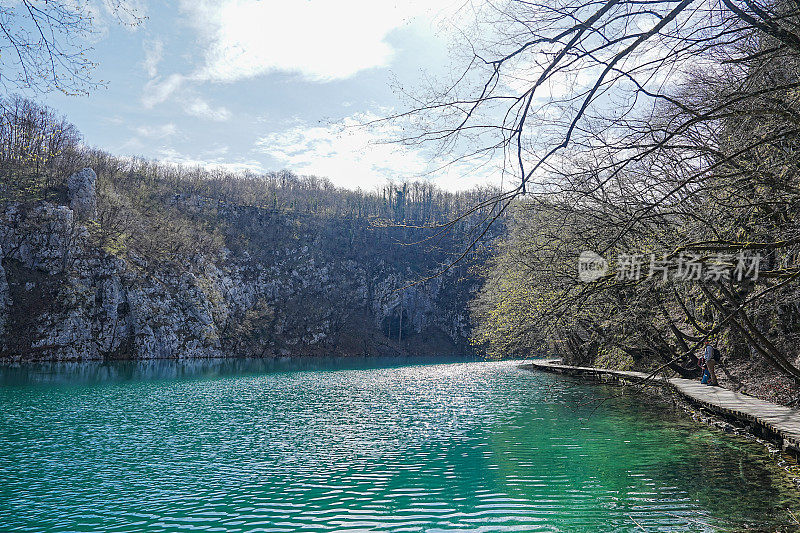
{"type": "Point", "coordinates": [711, 356]}
{"type": "Point", "coordinates": [701, 364]}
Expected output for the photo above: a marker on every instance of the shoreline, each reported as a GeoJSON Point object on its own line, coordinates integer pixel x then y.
{"type": "Point", "coordinates": [773, 424]}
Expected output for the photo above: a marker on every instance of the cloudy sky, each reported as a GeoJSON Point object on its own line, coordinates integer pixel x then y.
{"type": "Point", "coordinates": [266, 85]}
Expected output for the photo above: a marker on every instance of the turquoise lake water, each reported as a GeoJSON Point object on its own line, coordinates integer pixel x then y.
{"type": "Point", "coordinates": [252, 446]}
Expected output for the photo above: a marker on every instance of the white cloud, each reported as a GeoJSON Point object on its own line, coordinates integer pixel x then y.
{"type": "Point", "coordinates": [172, 156]}
{"type": "Point", "coordinates": [134, 145]}
{"type": "Point", "coordinates": [157, 132]}
{"type": "Point", "coordinates": [319, 39]}
{"type": "Point", "coordinates": [159, 89]}
{"type": "Point", "coordinates": [115, 120]}
{"type": "Point", "coordinates": [348, 155]}
{"type": "Point", "coordinates": [354, 156]}
{"type": "Point", "coordinates": [153, 53]}
{"type": "Point", "coordinates": [200, 108]}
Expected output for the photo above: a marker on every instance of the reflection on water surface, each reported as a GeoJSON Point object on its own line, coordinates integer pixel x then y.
{"type": "Point", "coordinates": [249, 445]}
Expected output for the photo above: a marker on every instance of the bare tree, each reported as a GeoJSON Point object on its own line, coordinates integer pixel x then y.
{"type": "Point", "coordinates": [46, 45]}
{"type": "Point", "coordinates": [667, 126]}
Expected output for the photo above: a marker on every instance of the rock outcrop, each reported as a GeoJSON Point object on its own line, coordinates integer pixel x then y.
{"type": "Point", "coordinates": [64, 297]}
{"type": "Point", "coordinates": [83, 194]}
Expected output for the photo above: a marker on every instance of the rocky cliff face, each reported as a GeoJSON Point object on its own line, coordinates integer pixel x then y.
{"type": "Point", "coordinates": [63, 297]}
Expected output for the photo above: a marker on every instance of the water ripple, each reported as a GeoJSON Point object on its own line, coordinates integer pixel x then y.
{"type": "Point", "coordinates": [451, 447]}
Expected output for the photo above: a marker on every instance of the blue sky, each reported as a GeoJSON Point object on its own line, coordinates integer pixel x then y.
{"type": "Point", "coordinates": [266, 85]}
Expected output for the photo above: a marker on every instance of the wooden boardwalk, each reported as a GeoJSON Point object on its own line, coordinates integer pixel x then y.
{"type": "Point", "coordinates": [766, 419]}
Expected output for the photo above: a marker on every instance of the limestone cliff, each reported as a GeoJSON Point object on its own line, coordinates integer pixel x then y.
{"type": "Point", "coordinates": [294, 292]}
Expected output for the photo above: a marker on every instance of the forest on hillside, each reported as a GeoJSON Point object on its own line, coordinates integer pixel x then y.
{"type": "Point", "coordinates": [140, 201]}
{"type": "Point", "coordinates": [277, 263]}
